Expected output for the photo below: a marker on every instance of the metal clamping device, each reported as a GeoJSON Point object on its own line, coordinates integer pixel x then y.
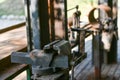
{"type": "Point", "coordinates": [51, 63]}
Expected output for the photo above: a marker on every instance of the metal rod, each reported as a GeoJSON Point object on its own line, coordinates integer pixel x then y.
{"type": "Point", "coordinates": [73, 7]}
{"type": "Point", "coordinates": [28, 25]}
{"type": "Point", "coordinates": [65, 20]}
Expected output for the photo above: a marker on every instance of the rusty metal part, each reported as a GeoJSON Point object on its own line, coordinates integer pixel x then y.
{"type": "Point", "coordinates": [76, 19]}
{"type": "Point", "coordinates": [95, 22]}
{"type": "Point", "coordinates": [76, 7]}
{"type": "Point", "coordinates": [91, 17]}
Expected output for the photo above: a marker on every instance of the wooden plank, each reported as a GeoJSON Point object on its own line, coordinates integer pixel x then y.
{"type": "Point", "coordinates": [81, 66]}
{"type": "Point", "coordinates": [13, 40]}
{"type": "Point", "coordinates": [105, 71]}
{"type": "Point", "coordinates": [86, 75]}
{"type": "Point", "coordinates": [90, 75]}
{"type": "Point", "coordinates": [12, 34]}
{"type": "Point", "coordinates": [88, 56]}
{"type": "Point", "coordinates": [117, 73]}
{"type": "Point", "coordinates": [112, 71]}
{"type": "Point", "coordinates": [88, 45]}
{"type": "Point", "coordinates": [12, 71]}
{"type": "Point", "coordinates": [103, 66]}
{"type": "Point", "coordinates": [83, 74]}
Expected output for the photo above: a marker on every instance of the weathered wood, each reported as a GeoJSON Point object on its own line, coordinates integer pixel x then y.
{"type": "Point", "coordinates": [83, 74]}
{"type": "Point", "coordinates": [12, 71]}
{"type": "Point", "coordinates": [112, 71]}
{"type": "Point", "coordinates": [13, 40]}
{"type": "Point", "coordinates": [88, 50]}
{"type": "Point", "coordinates": [109, 72]}
{"type": "Point", "coordinates": [105, 70]}
{"type": "Point", "coordinates": [44, 22]}
{"type": "Point", "coordinates": [97, 55]}
{"type": "Point", "coordinates": [82, 42]}
{"type": "Point", "coordinates": [88, 45]}
{"type": "Point", "coordinates": [80, 67]}
{"type": "Point", "coordinates": [117, 73]}
{"type": "Point", "coordinates": [90, 75]}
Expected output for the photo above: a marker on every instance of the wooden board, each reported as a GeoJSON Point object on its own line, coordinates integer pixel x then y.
{"type": "Point", "coordinates": [13, 40]}
{"type": "Point", "coordinates": [117, 73]}
{"type": "Point", "coordinates": [85, 70]}
{"type": "Point", "coordinates": [11, 71]}
{"type": "Point", "coordinates": [84, 73]}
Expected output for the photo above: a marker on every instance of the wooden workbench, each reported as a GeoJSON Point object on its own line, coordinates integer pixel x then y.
{"type": "Point", "coordinates": [15, 40]}
{"type": "Point", "coordinates": [12, 40]}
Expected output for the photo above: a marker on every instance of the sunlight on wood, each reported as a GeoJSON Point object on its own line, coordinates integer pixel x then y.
{"type": "Point", "coordinates": [22, 76]}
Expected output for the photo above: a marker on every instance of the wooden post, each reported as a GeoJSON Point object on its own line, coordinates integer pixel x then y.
{"type": "Point", "coordinates": [44, 22]}
{"type": "Point", "coordinates": [82, 42]}
{"type": "Point", "coordinates": [97, 55]}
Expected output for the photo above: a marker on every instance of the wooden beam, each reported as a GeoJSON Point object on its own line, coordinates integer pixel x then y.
{"type": "Point", "coordinates": [43, 22]}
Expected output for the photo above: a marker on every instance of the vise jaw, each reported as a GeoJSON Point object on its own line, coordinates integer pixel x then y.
{"type": "Point", "coordinates": [54, 56]}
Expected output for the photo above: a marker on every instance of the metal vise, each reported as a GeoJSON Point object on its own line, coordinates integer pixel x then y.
{"type": "Point", "coordinates": [52, 59]}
